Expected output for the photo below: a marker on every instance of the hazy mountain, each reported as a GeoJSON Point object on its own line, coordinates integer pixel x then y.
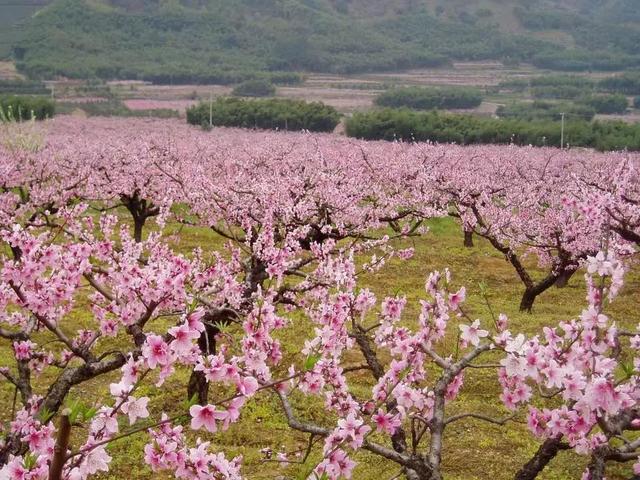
{"type": "Point", "coordinates": [225, 40]}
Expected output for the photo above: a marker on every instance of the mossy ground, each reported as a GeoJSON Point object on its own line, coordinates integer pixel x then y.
{"type": "Point", "coordinates": [473, 450]}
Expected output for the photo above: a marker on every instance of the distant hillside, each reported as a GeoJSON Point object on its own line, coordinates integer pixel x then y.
{"type": "Point", "coordinates": [227, 40]}
{"type": "Point", "coordinates": [13, 13]}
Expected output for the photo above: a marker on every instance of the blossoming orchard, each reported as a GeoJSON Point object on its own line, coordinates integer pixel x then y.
{"type": "Point", "coordinates": [228, 269]}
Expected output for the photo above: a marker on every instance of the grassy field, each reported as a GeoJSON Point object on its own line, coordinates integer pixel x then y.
{"type": "Point", "coordinates": [473, 450]}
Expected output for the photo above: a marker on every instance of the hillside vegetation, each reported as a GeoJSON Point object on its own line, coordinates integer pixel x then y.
{"type": "Point", "coordinates": [226, 41]}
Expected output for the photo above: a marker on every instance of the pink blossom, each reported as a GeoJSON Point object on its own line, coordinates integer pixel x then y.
{"type": "Point", "coordinates": [247, 386]}
{"type": "Point", "coordinates": [97, 460]}
{"type": "Point", "coordinates": [155, 351]}
{"type": "Point", "coordinates": [386, 422]}
{"type": "Point", "coordinates": [184, 336]}
{"type": "Point", "coordinates": [23, 350]}
{"type": "Point", "coordinates": [205, 417]}
{"type": "Point", "coordinates": [136, 409]}
{"type": "Point", "coordinates": [455, 299]}
{"type": "Point", "coordinates": [472, 333]}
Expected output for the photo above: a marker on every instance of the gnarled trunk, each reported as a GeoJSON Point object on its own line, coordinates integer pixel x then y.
{"type": "Point", "coordinates": [140, 210]}
{"type": "Point", "coordinates": [598, 465]}
{"type": "Point", "coordinates": [138, 226]}
{"type": "Point", "coordinates": [532, 290]}
{"type": "Point", "coordinates": [547, 452]}
{"type": "Point", "coordinates": [198, 387]}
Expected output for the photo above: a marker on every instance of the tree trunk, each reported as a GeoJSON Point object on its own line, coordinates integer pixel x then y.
{"type": "Point", "coordinates": [534, 289]}
{"type": "Point", "coordinates": [597, 466]}
{"type": "Point", "coordinates": [138, 225]}
{"type": "Point", "coordinates": [547, 452]}
{"type": "Point", "coordinates": [12, 446]}
{"type": "Point", "coordinates": [564, 278]}
{"type": "Point", "coordinates": [468, 239]}
{"type": "Point", "coordinates": [198, 384]}
{"type": "Point", "coordinates": [60, 449]}
{"type": "Point", "coordinates": [528, 298]}
{"type": "Point", "coordinates": [198, 388]}
{"type": "Point", "coordinates": [17, 253]}
{"type": "Point", "coordinates": [140, 210]}
{"type": "Point", "coordinates": [411, 474]}
{"type": "Point", "coordinates": [419, 468]}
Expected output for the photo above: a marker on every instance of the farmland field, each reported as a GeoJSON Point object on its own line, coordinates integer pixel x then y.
{"type": "Point", "coordinates": [347, 93]}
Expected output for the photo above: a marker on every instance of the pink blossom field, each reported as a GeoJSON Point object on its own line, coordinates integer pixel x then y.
{"type": "Point", "coordinates": [233, 304]}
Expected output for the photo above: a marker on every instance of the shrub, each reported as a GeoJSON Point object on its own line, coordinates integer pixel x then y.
{"type": "Point", "coordinates": [628, 83]}
{"type": "Point", "coordinates": [275, 114]}
{"type": "Point", "coordinates": [254, 88]}
{"type": "Point", "coordinates": [285, 78]}
{"type": "Point", "coordinates": [636, 102]}
{"type": "Point", "coordinates": [584, 60]}
{"type": "Point", "coordinates": [515, 85]}
{"type": "Point", "coordinates": [25, 108]}
{"type": "Point", "coordinates": [607, 103]}
{"type": "Point", "coordinates": [551, 86]}
{"type": "Point", "coordinates": [540, 110]}
{"type": "Point", "coordinates": [430, 98]}
{"type": "Point", "coordinates": [541, 19]}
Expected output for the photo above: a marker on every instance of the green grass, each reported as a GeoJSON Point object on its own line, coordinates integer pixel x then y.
{"type": "Point", "coordinates": [473, 450]}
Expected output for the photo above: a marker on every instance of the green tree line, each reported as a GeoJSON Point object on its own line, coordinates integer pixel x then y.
{"type": "Point", "coordinates": [275, 114]}
{"type": "Point", "coordinates": [409, 125]}
{"type": "Point", "coordinates": [430, 98]}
